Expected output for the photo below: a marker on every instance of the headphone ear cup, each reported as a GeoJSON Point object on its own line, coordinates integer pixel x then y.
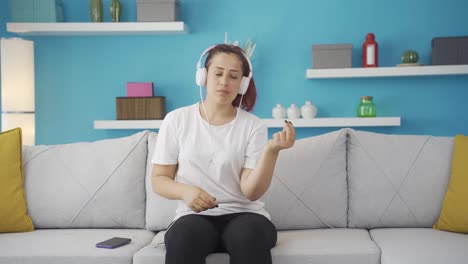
{"type": "Point", "coordinates": [200, 76]}
{"type": "Point", "coordinates": [244, 85]}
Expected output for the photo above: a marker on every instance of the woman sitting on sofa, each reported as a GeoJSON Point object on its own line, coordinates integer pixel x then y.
{"type": "Point", "coordinates": [215, 158]}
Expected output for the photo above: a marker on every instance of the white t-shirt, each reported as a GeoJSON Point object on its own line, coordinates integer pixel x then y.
{"type": "Point", "coordinates": [212, 157]}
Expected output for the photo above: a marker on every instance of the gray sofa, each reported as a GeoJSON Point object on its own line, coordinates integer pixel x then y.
{"type": "Point", "coordinates": [343, 197]}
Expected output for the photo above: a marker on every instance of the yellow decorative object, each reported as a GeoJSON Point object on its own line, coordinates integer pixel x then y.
{"type": "Point", "coordinates": [13, 210]}
{"type": "Point", "coordinates": [454, 214]}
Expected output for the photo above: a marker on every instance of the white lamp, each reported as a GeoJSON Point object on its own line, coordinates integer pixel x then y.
{"type": "Point", "coordinates": [17, 67]}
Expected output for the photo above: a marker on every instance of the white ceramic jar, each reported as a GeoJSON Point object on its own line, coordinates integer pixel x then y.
{"type": "Point", "coordinates": [308, 110]}
{"type": "Point", "coordinates": [278, 112]}
{"type": "Point", "coordinates": [294, 112]}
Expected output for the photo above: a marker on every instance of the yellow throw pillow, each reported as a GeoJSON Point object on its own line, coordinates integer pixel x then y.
{"type": "Point", "coordinates": [13, 210]}
{"type": "Point", "coordinates": [454, 215]}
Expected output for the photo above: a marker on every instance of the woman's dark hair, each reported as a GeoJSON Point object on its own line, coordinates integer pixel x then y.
{"type": "Point", "coordinates": [250, 96]}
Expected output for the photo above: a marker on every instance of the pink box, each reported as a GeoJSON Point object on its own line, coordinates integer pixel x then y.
{"type": "Point", "coordinates": [139, 89]}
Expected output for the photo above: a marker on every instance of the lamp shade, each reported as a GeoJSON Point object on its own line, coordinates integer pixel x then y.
{"type": "Point", "coordinates": [17, 74]}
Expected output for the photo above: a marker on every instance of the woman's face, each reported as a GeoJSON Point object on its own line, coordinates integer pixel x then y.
{"type": "Point", "coordinates": [224, 78]}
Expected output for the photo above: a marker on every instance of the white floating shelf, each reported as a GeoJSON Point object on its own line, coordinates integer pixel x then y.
{"type": "Point", "coordinates": [337, 122]}
{"type": "Point", "coordinates": [387, 71]}
{"type": "Point", "coordinates": [127, 124]}
{"type": "Point", "coordinates": [97, 28]}
{"type": "Point", "coordinates": [271, 123]}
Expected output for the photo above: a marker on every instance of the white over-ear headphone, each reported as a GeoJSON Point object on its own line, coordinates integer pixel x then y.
{"type": "Point", "coordinates": [200, 76]}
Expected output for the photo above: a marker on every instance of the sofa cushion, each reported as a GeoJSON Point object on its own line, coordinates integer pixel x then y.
{"type": "Point", "coordinates": [396, 180]}
{"type": "Point", "coordinates": [330, 246]}
{"type": "Point", "coordinates": [88, 184]}
{"type": "Point", "coordinates": [14, 215]}
{"type": "Point", "coordinates": [159, 211]}
{"type": "Point", "coordinates": [309, 188]}
{"type": "Point", "coordinates": [454, 215]}
{"type": "Point", "coordinates": [60, 246]}
{"type": "Point", "coordinates": [420, 246]}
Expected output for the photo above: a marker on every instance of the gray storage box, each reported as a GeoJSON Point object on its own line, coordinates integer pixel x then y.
{"type": "Point", "coordinates": [450, 50]}
{"type": "Point", "coordinates": [331, 56]}
{"type": "Point", "coordinates": [157, 10]}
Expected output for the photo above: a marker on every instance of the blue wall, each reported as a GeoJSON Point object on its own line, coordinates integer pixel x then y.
{"type": "Point", "coordinates": [78, 78]}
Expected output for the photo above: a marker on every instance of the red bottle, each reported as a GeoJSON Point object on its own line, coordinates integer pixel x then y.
{"type": "Point", "coordinates": [370, 52]}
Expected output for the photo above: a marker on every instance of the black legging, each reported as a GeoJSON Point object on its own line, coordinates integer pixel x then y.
{"type": "Point", "coordinates": [247, 237]}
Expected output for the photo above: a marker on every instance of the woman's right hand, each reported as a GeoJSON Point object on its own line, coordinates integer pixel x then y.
{"type": "Point", "coordinates": [198, 199]}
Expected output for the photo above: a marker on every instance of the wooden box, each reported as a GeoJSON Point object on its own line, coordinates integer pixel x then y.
{"type": "Point", "coordinates": [140, 108]}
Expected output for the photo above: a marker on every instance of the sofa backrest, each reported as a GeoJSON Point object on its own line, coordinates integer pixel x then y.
{"type": "Point", "coordinates": [396, 180]}
{"type": "Point", "coordinates": [343, 178]}
{"type": "Point", "coordinates": [308, 189]}
{"type": "Point", "coordinates": [159, 211]}
{"type": "Point", "coordinates": [87, 185]}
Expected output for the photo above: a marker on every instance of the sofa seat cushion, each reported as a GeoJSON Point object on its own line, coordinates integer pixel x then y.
{"type": "Point", "coordinates": [420, 246]}
{"type": "Point", "coordinates": [331, 246]}
{"type": "Point", "coordinates": [69, 246]}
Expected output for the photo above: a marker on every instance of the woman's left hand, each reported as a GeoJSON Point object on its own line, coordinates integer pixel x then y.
{"type": "Point", "coordinates": [283, 139]}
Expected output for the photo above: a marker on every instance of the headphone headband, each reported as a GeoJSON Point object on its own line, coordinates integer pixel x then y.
{"type": "Point", "coordinates": [212, 47]}
{"type": "Point", "coordinates": [200, 76]}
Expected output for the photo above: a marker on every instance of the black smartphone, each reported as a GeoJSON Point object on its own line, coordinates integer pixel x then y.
{"type": "Point", "coordinates": [114, 242]}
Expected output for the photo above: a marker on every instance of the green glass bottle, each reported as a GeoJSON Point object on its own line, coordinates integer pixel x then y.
{"type": "Point", "coordinates": [366, 107]}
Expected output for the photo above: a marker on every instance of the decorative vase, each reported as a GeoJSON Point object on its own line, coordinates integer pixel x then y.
{"type": "Point", "coordinates": [308, 110]}
{"type": "Point", "coordinates": [95, 9]}
{"type": "Point", "coordinates": [279, 112]}
{"type": "Point", "coordinates": [294, 111]}
{"type": "Point", "coordinates": [115, 10]}
{"type": "Point", "coordinates": [409, 56]}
